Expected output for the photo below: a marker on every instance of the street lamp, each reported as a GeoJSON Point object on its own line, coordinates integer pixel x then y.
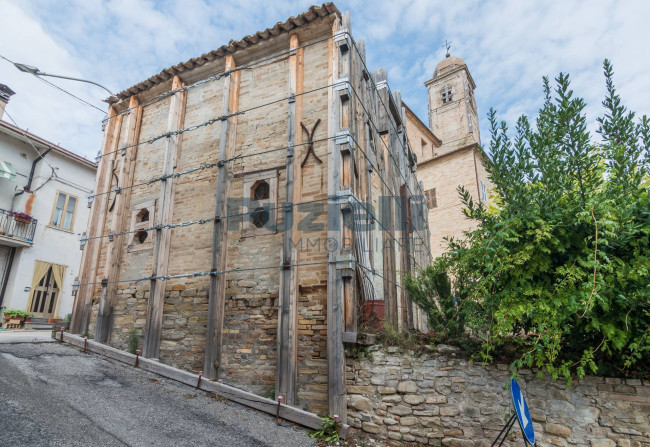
{"type": "Point", "coordinates": [36, 72]}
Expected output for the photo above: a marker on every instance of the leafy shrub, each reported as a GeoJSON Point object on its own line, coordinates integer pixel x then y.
{"type": "Point", "coordinates": [559, 265]}
{"type": "Point", "coordinates": [329, 431]}
{"type": "Point", "coordinates": [134, 340]}
{"type": "Point", "coordinates": [446, 311]}
{"type": "Point", "coordinates": [270, 393]}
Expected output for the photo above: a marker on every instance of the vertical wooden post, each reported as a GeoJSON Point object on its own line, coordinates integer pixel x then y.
{"type": "Point", "coordinates": [217, 294]}
{"type": "Point", "coordinates": [164, 214]}
{"type": "Point", "coordinates": [369, 149]}
{"type": "Point", "coordinates": [350, 60]}
{"type": "Point", "coordinates": [286, 375]}
{"type": "Point", "coordinates": [388, 204]}
{"type": "Point", "coordinates": [90, 255]}
{"type": "Point", "coordinates": [126, 160]}
{"type": "Point", "coordinates": [335, 312]}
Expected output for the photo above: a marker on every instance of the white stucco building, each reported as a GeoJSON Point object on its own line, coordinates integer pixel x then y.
{"type": "Point", "coordinates": [43, 212]}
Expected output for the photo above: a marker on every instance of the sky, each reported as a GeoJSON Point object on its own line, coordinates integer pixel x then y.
{"type": "Point", "coordinates": [507, 45]}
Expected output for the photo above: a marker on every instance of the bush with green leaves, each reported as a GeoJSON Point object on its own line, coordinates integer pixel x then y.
{"type": "Point", "coordinates": [433, 292]}
{"type": "Point", "coordinates": [559, 263]}
{"type": "Point", "coordinates": [134, 340]}
{"type": "Point", "coordinates": [329, 431]}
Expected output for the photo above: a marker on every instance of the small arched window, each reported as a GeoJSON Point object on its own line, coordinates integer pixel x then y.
{"type": "Point", "coordinates": [261, 190]}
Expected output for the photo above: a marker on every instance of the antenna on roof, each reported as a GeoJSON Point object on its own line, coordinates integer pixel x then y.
{"type": "Point", "coordinates": [448, 46]}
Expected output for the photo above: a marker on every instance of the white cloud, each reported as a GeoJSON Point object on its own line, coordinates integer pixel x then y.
{"type": "Point", "coordinates": [508, 46]}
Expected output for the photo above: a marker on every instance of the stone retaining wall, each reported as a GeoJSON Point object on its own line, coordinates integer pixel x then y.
{"type": "Point", "coordinates": [442, 399]}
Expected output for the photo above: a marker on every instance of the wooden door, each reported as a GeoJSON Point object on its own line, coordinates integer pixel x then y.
{"type": "Point", "coordinates": [44, 296]}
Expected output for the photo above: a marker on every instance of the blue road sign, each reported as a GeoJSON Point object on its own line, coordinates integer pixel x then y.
{"type": "Point", "coordinates": [521, 407]}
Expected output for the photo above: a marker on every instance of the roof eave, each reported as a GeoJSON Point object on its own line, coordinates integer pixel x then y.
{"type": "Point", "coordinates": [17, 132]}
{"type": "Point", "coordinates": [312, 14]}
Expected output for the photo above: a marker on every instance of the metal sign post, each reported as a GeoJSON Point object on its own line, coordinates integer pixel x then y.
{"type": "Point", "coordinates": [521, 408]}
{"type": "Point", "coordinates": [521, 413]}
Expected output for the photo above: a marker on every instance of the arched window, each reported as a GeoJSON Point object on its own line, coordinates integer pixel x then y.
{"type": "Point", "coordinates": [141, 218]}
{"type": "Point", "coordinates": [261, 190]}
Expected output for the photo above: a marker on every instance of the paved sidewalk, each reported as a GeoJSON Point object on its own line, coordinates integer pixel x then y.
{"type": "Point", "coordinates": [55, 395]}
{"type": "Point", "coordinates": [20, 336]}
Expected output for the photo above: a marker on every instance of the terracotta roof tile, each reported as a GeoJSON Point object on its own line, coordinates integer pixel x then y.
{"type": "Point", "coordinates": [312, 14]}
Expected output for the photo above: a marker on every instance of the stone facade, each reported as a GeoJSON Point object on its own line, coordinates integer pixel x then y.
{"type": "Point", "coordinates": [347, 132]}
{"type": "Point", "coordinates": [441, 399]}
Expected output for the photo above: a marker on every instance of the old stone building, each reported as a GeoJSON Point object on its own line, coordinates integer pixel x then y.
{"type": "Point", "coordinates": [251, 205]}
{"type": "Point", "coordinates": [447, 151]}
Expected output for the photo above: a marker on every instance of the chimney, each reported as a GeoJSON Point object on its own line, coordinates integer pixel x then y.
{"type": "Point", "coordinates": [5, 94]}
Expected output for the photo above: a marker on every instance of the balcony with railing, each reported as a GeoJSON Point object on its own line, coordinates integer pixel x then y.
{"type": "Point", "coordinates": [16, 229]}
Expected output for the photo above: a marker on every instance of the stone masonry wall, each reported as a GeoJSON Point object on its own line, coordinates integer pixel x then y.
{"type": "Point", "coordinates": [441, 399]}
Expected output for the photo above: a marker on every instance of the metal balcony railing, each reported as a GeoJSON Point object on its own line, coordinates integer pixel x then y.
{"type": "Point", "coordinates": [15, 227]}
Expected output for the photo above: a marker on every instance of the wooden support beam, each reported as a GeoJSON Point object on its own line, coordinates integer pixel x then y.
{"type": "Point", "coordinates": [164, 214]}
{"type": "Point", "coordinates": [405, 251]}
{"type": "Point", "coordinates": [217, 294]}
{"type": "Point", "coordinates": [388, 207]}
{"type": "Point", "coordinates": [90, 256]}
{"type": "Point", "coordinates": [370, 149]}
{"type": "Point", "coordinates": [335, 313]}
{"type": "Point", "coordinates": [287, 372]}
{"type": "Point", "coordinates": [221, 390]}
{"type": "Point", "coordinates": [124, 164]}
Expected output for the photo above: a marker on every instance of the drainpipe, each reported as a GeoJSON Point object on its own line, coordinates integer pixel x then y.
{"type": "Point", "coordinates": [28, 187]}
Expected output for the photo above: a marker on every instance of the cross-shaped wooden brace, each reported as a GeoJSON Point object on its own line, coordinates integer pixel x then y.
{"type": "Point", "coordinates": [310, 142]}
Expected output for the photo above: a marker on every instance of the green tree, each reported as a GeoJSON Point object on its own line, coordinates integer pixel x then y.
{"type": "Point", "coordinates": [560, 266]}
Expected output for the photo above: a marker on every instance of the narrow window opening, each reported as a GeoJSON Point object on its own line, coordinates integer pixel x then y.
{"type": "Point", "coordinates": [260, 217]}
{"type": "Point", "coordinates": [143, 215]}
{"type": "Point", "coordinates": [484, 193]}
{"type": "Point", "coordinates": [141, 236]}
{"type": "Point", "coordinates": [447, 94]}
{"type": "Point", "coordinates": [432, 200]}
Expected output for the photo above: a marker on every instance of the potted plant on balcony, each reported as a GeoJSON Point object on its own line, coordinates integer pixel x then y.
{"type": "Point", "coordinates": [21, 217]}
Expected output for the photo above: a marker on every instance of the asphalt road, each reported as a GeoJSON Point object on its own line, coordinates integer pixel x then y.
{"type": "Point", "coordinates": [55, 395]}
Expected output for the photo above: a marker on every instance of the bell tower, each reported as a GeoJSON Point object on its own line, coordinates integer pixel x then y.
{"type": "Point", "coordinates": [452, 109]}
{"type": "Point", "coordinates": [448, 155]}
